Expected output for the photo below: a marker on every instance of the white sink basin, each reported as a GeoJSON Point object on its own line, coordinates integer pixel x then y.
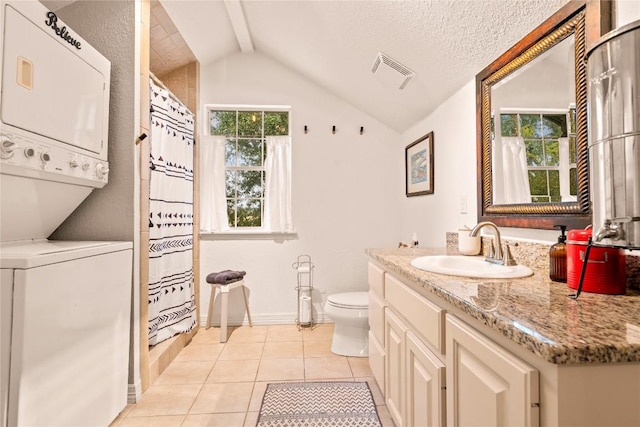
{"type": "Point", "coordinates": [466, 266]}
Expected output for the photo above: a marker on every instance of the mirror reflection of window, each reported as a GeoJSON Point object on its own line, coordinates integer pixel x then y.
{"type": "Point", "coordinates": [549, 143]}
{"type": "Point", "coordinates": [533, 130]}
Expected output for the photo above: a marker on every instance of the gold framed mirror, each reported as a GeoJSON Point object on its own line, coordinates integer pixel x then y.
{"type": "Point", "coordinates": [531, 124]}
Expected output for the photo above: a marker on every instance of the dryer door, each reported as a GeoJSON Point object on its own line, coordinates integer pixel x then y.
{"type": "Point", "coordinates": [48, 89]}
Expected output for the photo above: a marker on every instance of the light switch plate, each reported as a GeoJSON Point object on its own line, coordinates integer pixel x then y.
{"type": "Point", "coordinates": [463, 204]}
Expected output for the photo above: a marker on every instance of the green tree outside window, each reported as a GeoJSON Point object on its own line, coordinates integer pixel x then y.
{"type": "Point", "coordinates": [541, 133]}
{"type": "Point", "coordinates": [245, 153]}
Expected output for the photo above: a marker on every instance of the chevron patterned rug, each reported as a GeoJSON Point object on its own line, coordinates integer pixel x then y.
{"type": "Point", "coordinates": [318, 404]}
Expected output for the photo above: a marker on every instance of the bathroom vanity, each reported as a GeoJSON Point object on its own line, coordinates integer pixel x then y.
{"type": "Point", "coordinates": [453, 351]}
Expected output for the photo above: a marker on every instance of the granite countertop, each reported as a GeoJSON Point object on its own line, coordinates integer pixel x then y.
{"type": "Point", "coordinates": [534, 312]}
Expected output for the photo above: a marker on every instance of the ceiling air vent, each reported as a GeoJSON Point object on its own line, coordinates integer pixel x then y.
{"type": "Point", "coordinates": [391, 72]}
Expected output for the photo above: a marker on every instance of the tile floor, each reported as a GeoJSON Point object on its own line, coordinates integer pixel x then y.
{"type": "Point", "coordinates": [213, 384]}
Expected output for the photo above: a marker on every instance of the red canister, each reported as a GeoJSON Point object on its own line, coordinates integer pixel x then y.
{"type": "Point", "coordinates": [606, 267]}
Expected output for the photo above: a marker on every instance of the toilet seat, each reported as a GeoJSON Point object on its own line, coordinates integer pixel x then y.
{"type": "Point", "coordinates": [349, 300]}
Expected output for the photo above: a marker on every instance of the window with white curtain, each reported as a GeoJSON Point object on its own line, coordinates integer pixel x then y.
{"type": "Point", "coordinates": [549, 142]}
{"type": "Point", "coordinates": [246, 169]}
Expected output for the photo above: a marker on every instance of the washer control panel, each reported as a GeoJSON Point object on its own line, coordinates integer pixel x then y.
{"type": "Point", "coordinates": [24, 157]}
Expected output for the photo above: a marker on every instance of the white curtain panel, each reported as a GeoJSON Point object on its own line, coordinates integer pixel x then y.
{"type": "Point", "coordinates": [213, 206]}
{"type": "Point", "coordinates": [172, 305]}
{"type": "Point", "coordinates": [565, 172]}
{"type": "Point", "coordinates": [510, 173]}
{"type": "Point", "coordinates": [277, 209]}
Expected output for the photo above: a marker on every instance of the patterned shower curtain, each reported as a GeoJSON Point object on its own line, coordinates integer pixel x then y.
{"type": "Point", "coordinates": [172, 305]}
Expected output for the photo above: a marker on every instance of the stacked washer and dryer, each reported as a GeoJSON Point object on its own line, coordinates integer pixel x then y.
{"type": "Point", "coordinates": [64, 305]}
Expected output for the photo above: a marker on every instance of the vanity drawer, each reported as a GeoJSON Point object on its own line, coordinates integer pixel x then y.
{"type": "Point", "coordinates": [425, 317]}
{"type": "Point", "coordinates": [376, 279]}
{"type": "Point", "coordinates": [376, 316]}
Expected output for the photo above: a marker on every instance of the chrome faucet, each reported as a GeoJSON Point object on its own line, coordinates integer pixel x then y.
{"type": "Point", "coordinates": [496, 255]}
{"type": "Point", "coordinates": [609, 230]}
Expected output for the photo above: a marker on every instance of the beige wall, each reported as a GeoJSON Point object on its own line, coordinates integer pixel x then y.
{"type": "Point", "coordinates": [183, 82]}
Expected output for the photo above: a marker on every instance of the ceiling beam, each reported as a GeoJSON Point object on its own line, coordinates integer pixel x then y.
{"type": "Point", "coordinates": [239, 23]}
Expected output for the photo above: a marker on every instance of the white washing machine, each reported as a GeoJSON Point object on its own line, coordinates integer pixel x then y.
{"type": "Point", "coordinates": [65, 310]}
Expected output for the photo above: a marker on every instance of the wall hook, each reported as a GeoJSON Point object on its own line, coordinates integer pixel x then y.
{"type": "Point", "coordinates": [141, 138]}
{"type": "Point", "coordinates": [333, 130]}
{"type": "Point", "coordinates": [361, 130]}
{"type": "Point", "coordinates": [306, 129]}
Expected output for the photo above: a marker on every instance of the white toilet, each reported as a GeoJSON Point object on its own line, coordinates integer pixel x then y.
{"type": "Point", "coordinates": [350, 313]}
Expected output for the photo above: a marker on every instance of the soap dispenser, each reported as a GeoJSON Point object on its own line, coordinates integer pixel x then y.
{"type": "Point", "coordinates": [558, 257]}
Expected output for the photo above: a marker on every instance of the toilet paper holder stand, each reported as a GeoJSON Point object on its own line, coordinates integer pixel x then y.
{"type": "Point", "coordinates": [304, 287]}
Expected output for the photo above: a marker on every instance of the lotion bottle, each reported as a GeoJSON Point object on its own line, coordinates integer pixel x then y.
{"type": "Point", "coordinates": [558, 258]}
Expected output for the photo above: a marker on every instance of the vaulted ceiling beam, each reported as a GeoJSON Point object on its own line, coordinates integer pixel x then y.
{"type": "Point", "coordinates": [239, 24]}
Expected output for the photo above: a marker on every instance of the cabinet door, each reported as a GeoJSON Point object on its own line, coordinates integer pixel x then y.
{"type": "Point", "coordinates": [487, 385]}
{"type": "Point", "coordinates": [394, 371]}
{"type": "Point", "coordinates": [425, 390]}
{"type": "Point", "coordinates": [376, 360]}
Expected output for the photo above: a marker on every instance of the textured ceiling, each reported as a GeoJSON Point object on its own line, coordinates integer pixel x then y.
{"type": "Point", "coordinates": [334, 43]}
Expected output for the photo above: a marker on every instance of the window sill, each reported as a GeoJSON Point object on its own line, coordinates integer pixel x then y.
{"type": "Point", "coordinates": [249, 235]}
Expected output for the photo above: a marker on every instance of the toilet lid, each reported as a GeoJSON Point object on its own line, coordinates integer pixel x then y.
{"type": "Point", "coordinates": [349, 300]}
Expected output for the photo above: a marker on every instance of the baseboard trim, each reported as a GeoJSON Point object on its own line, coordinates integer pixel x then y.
{"type": "Point", "coordinates": [134, 392]}
{"type": "Point", "coordinates": [263, 319]}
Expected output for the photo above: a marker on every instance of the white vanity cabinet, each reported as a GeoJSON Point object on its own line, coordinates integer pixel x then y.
{"type": "Point", "coordinates": [395, 377]}
{"type": "Point", "coordinates": [412, 351]}
{"type": "Point", "coordinates": [487, 385]}
{"type": "Point", "coordinates": [425, 385]}
{"type": "Point", "coordinates": [376, 337]}
{"type": "Point", "coordinates": [438, 371]}
{"type": "Point", "coordinates": [415, 378]}
{"type": "Point", "coordinates": [440, 359]}
{"type": "Point", "coordinates": [377, 305]}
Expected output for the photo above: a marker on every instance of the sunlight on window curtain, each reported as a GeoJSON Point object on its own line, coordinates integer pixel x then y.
{"type": "Point", "coordinates": [510, 174]}
{"type": "Point", "coordinates": [565, 171]}
{"type": "Point", "coordinates": [213, 205]}
{"type": "Point", "coordinates": [277, 209]}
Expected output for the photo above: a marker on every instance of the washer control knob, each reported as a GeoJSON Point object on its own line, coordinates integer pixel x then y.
{"type": "Point", "coordinates": [45, 157]}
{"type": "Point", "coordinates": [101, 170]}
{"type": "Point", "coordinates": [85, 165]}
{"type": "Point", "coordinates": [29, 152]}
{"type": "Point", "coordinates": [8, 147]}
{"type": "Point", "coordinates": [73, 163]}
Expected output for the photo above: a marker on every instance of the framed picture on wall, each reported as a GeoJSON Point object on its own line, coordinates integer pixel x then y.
{"type": "Point", "coordinates": [419, 166]}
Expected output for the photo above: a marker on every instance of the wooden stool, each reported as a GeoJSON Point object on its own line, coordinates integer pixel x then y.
{"type": "Point", "coordinates": [224, 305]}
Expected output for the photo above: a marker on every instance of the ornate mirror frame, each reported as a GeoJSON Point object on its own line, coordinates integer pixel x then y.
{"type": "Point", "coordinates": [587, 20]}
